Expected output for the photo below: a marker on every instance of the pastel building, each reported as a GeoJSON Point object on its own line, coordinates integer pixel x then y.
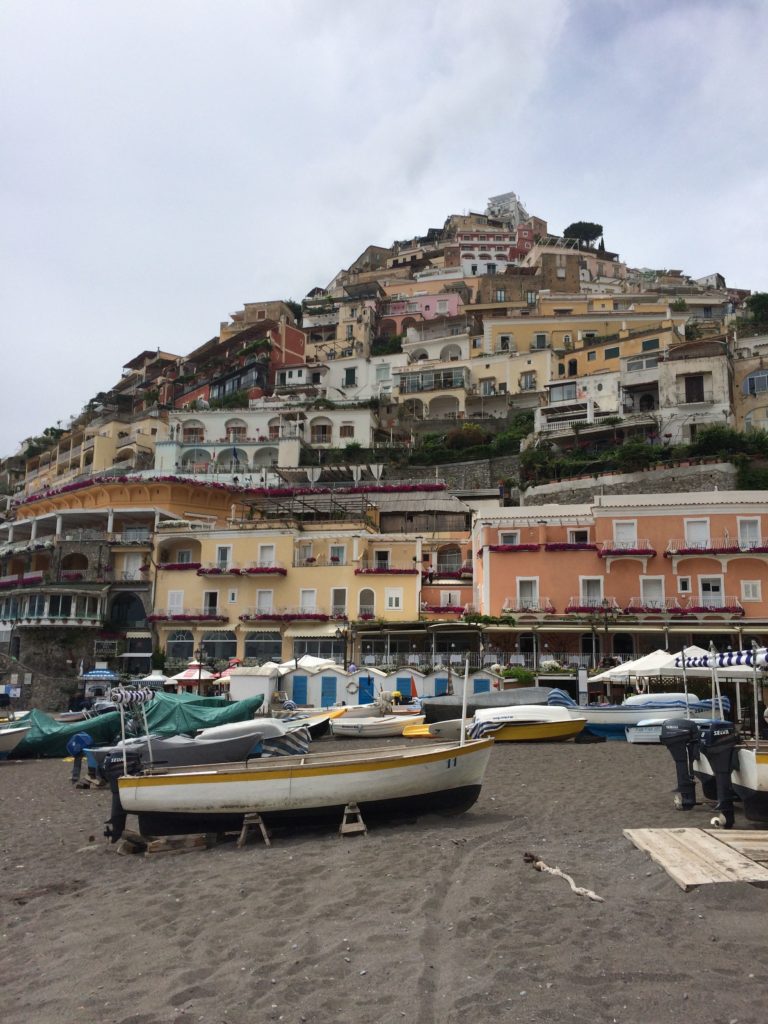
{"type": "Point", "coordinates": [625, 575]}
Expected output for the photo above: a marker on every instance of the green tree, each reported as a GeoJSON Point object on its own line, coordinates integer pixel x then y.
{"type": "Point", "coordinates": [585, 231]}
{"type": "Point", "coordinates": [757, 305]}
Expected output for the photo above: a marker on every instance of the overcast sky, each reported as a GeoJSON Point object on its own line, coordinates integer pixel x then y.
{"type": "Point", "coordinates": [165, 161]}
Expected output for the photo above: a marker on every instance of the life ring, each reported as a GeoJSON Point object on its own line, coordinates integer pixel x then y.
{"type": "Point", "coordinates": [352, 686]}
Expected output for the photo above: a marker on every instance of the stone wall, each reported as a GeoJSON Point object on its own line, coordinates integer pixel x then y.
{"type": "Point", "coordinates": [704, 476]}
{"type": "Point", "coordinates": [480, 474]}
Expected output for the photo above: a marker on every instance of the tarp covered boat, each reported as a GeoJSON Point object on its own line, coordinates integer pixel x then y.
{"type": "Point", "coordinates": [167, 715]}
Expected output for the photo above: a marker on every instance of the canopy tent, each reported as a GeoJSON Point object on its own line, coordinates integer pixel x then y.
{"type": "Point", "coordinates": [306, 663]}
{"type": "Point", "coordinates": [657, 663]}
{"type": "Point", "coordinates": [270, 669]}
{"type": "Point", "coordinates": [155, 678]}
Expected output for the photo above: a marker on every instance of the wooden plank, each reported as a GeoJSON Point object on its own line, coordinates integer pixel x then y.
{"type": "Point", "coordinates": [692, 857]}
{"type": "Point", "coordinates": [753, 844]}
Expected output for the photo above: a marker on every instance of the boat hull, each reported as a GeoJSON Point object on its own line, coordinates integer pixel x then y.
{"type": "Point", "coordinates": [369, 728]}
{"type": "Point", "coordinates": [385, 782]}
{"type": "Point", "coordinates": [11, 737]}
{"type": "Point", "coordinates": [538, 732]}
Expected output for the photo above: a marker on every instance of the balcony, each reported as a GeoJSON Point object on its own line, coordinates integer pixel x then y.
{"type": "Point", "coordinates": [625, 549]}
{"type": "Point", "coordinates": [45, 619]}
{"type": "Point", "coordinates": [387, 569]}
{"type": "Point", "coordinates": [263, 569]}
{"type": "Point", "coordinates": [582, 605]}
{"type": "Point", "coordinates": [653, 606]}
{"type": "Point", "coordinates": [699, 398]}
{"type": "Point", "coordinates": [443, 609]}
{"type": "Point", "coordinates": [537, 606]}
{"type": "Point", "coordinates": [318, 562]}
{"type": "Point", "coordinates": [512, 548]}
{"type": "Point", "coordinates": [218, 569]}
{"type": "Point", "coordinates": [366, 612]}
{"type": "Point", "coordinates": [187, 615]}
{"type": "Point", "coordinates": [715, 546]}
{"type": "Point", "coordinates": [713, 604]}
{"type": "Point", "coordinates": [310, 613]}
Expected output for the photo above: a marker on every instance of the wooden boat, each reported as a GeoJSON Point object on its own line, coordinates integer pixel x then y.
{"type": "Point", "coordinates": [367, 728]}
{"type": "Point", "coordinates": [449, 729]}
{"type": "Point", "coordinates": [10, 737]}
{"type": "Point", "coordinates": [383, 782]}
{"type": "Point", "coordinates": [532, 723]}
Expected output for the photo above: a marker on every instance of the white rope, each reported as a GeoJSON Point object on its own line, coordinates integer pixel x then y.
{"type": "Point", "coordinates": [539, 865]}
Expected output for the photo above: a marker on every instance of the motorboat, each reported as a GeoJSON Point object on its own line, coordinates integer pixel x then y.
{"type": "Point", "coordinates": [367, 728]}
{"type": "Point", "coordinates": [10, 737]}
{"type": "Point", "coordinates": [384, 782]}
{"type": "Point", "coordinates": [611, 720]}
{"type": "Point", "coordinates": [448, 706]}
{"type": "Point", "coordinates": [526, 723]}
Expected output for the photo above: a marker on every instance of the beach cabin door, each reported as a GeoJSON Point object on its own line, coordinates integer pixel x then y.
{"type": "Point", "coordinates": [327, 691]}
{"type": "Point", "coordinates": [482, 685]}
{"type": "Point", "coordinates": [441, 686]}
{"type": "Point", "coordinates": [300, 689]}
{"type": "Point", "coordinates": [365, 691]}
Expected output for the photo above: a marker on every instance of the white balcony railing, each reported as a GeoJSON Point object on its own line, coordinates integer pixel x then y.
{"type": "Point", "coordinates": [617, 548]}
{"type": "Point", "coordinates": [716, 546]}
{"type": "Point", "coordinates": [593, 605]}
{"type": "Point", "coordinates": [539, 606]}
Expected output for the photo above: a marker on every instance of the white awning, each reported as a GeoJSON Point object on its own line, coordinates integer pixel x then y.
{"type": "Point", "coordinates": [136, 654]}
{"type": "Point", "coordinates": [138, 634]}
{"type": "Point", "coordinates": [312, 629]}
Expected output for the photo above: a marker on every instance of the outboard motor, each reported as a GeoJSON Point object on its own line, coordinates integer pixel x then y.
{"type": "Point", "coordinates": [112, 768]}
{"type": "Point", "coordinates": [681, 738]}
{"type": "Point", "coordinates": [718, 744]}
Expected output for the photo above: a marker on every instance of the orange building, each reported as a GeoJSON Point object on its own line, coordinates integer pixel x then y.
{"type": "Point", "coordinates": [624, 575]}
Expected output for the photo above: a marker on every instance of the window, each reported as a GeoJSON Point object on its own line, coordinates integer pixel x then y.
{"type": "Point", "coordinates": [756, 383]}
{"type": "Point", "coordinates": [591, 356]}
{"type": "Point", "coordinates": [266, 555]}
{"type": "Point", "coordinates": [749, 533]}
{"type": "Point", "coordinates": [337, 553]}
{"type": "Point", "coordinates": [611, 353]}
{"type": "Point", "coordinates": [175, 602]}
{"type": "Point", "coordinates": [442, 305]}
{"type": "Point", "coordinates": [510, 537]}
{"type": "Point", "coordinates": [381, 559]}
{"type": "Point", "coordinates": [650, 344]}
{"type": "Point", "coordinates": [652, 592]}
{"type": "Point", "coordinates": [382, 371]}
{"type": "Point", "coordinates": [751, 590]}
{"type": "Point", "coordinates": [488, 386]}
{"type": "Point", "coordinates": [263, 647]}
{"type": "Point", "coordinates": [505, 343]}
{"type": "Point", "coordinates": [338, 601]}
{"type": "Point", "coordinates": [527, 592]}
{"type": "Point", "coordinates": [347, 430]}
{"type": "Point", "coordinates": [696, 533]}
{"type": "Point", "coordinates": [578, 536]}
{"type": "Point", "coordinates": [684, 584]}
{"type": "Point", "coordinates": [491, 269]}
{"type": "Point", "coordinates": [591, 590]}
{"type": "Point", "coordinates": [264, 601]}
{"type": "Point", "coordinates": [694, 388]}
{"type": "Point", "coordinates": [530, 298]}
{"type": "Point", "coordinates": [573, 367]}
{"type": "Point", "coordinates": [183, 556]}
{"type": "Point", "coordinates": [304, 551]}
{"type": "Point", "coordinates": [36, 606]}
{"type": "Point", "coordinates": [625, 533]}
{"type": "Point", "coordinates": [711, 591]}
{"type": "Point", "coordinates": [539, 341]}
{"type": "Point", "coordinates": [393, 599]}
{"type": "Point", "coordinates": [501, 294]}
{"type": "Point", "coordinates": [350, 377]}
{"type": "Point", "coordinates": [562, 393]}
{"type": "Point", "coordinates": [223, 554]}
{"type": "Point", "coordinates": [308, 601]}
{"type": "Point", "coordinates": [528, 381]}
{"type": "Point", "coordinates": [350, 332]}
{"type": "Point", "coordinates": [232, 597]}
{"type": "Point", "coordinates": [211, 602]}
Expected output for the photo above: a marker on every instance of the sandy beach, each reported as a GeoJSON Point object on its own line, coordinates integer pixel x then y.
{"type": "Point", "coordinates": [439, 920]}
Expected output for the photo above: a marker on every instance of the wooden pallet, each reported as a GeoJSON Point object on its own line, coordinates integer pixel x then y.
{"type": "Point", "coordinates": [694, 856]}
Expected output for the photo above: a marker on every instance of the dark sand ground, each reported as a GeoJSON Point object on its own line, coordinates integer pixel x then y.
{"type": "Point", "coordinates": [435, 921]}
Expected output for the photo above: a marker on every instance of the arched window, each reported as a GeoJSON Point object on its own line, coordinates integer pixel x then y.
{"type": "Point", "coordinates": [219, 646]}
{"type": "Point", "coordinates": [180, 646]}
{"type": "Point", "coordinates": [263, 647]}
{"type": "Point", "coordinates": [367, 603]}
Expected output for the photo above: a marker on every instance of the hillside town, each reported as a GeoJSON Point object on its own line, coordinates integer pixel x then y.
{"type": "Point", "coordinates": [489, 440]}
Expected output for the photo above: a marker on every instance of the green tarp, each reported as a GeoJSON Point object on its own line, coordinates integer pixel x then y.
{"type": "Point", "coordinates": [167, 715]}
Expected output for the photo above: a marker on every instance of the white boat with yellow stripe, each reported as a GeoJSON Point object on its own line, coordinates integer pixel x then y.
{"type": "Point", "coordinates": [384, 782]}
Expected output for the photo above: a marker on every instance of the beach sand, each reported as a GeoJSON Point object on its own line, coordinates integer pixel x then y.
{"type": "Point", "coordinates": [439, 920]}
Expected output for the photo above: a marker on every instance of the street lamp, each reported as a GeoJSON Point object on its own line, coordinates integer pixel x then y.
{"type": "Point", "coordinates": [343, 634]}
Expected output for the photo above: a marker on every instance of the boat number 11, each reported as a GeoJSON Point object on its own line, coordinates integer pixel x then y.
{"type": "Point", "coordinates": [451, 762]}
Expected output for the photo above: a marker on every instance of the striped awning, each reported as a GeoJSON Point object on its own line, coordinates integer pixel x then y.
{"type": "Point", "coordinates": [312, 629]}
{"type": "Point", "coordinates": [138, 634]}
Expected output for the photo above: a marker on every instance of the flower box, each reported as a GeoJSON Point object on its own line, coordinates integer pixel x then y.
{"type": "Point", "coordinates": [386, 572]}
{"type": "Point", "coordinates": [513, 547]}
{"type": "Point", "coordinates": [566, 546]}
{"type": "Point", "coordinates": [180, 566]}
{"type": "Point", "coordinates": [617, 552]}
{"type": "Point", "coordinates": [266, 570]}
